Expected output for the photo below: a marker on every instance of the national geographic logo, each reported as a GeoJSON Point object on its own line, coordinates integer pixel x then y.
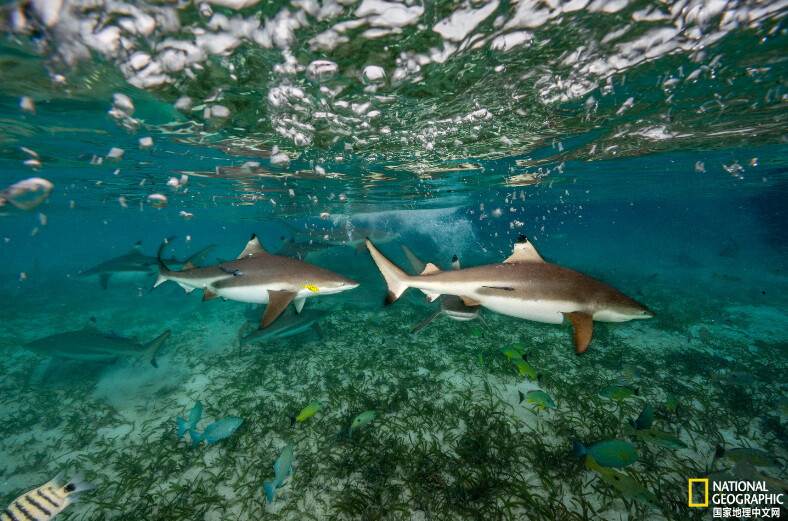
{"type": "Point", "coordinates": [734, 498]}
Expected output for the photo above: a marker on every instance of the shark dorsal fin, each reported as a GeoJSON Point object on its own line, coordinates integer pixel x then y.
{"type": "Point", "coordinates": [136, 247]}
{"type": "Point", "coordinates": [430, 268]}
{"type": "Point", "coordinates": [253, 247]}
{"type": "Point", "coordinates": [415, 262]}
{"type": "Point", "coordinates": [188, 265]}
{"type": "Point", "coordinates": [455, 262]}
{"type": "Point", "coordinates": [524, 251]}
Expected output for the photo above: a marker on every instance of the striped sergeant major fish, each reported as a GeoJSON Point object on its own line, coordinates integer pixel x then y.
{"type": "Point", "coordinates": [45, 502]}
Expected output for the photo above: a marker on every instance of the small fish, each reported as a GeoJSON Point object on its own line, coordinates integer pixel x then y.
{"type": "Point", "coordinates": [45, 502]}
{"type": "Point", "coordinates": [481, 360]}
{"type": "Point", "coordinates": [609, 453]}
{"type": "Point", "coordinates": [671, 403]}
{"type": "Point", "coordinates": [282, 467]}
{"type": "Point", "coordinates": [361, 420]}
{"type": "Point", "coordinates": [306, 412]}
{"type": "Point", "coordinates": [631, 372]}
{"type": "Point", "coordinates": [539, 398]}
{"type": "Point", "coordinates": [755, 457]}
{"type": "Point", "coordinates": [645, 420]}
{"type": "Point", "coordinates": [662, 439]}
{"type": "Point", "coordinates": [627, 485]}
{"type": "Point", "coordinates": [617, 392]}
{"type": "Point", "coordinates": [526, 368]}
{"type": "Point", "coordinates": [310, 287]}
{"type": "Point", "coordinates": [194, 418]}
{"type": "Point", "coordinates": [215, 431]}
{"type": "Point", "coordinates": [476, 332]}
{"type": "Point", "coordinates": [734, 378]}
{"type": "Point", "coordinates": [511, 353]}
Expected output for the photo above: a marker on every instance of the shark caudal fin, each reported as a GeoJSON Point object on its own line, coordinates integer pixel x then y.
{"type": "Point", "coordinates": [396, 279]}
{"type": "Point", "coordinates": [152, 348]}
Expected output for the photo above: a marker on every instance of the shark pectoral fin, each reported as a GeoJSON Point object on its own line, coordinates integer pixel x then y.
{"type": "Point", "coordinates": [524, 251]}
{"type": "Point", "coordinates": [208, 294]}
{"type": "Point", "coordinates": [253, 247]}
{"type": "Point", "coordinates": [277, 302]}
{"type": "Point", "coordinates": [299, 304]}
{"type": "Point", "coordinates": [468, 301]}
{"type": "Point", "coordinates": [583, 325]}
{"type": "Point", "coordinates": [104, 280]}
{"type": "Point", "coordinates": [423, 324]}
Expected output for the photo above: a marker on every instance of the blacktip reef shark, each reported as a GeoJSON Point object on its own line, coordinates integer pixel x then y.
{"type": "Point", "coordinates": [91, 345]}
{"type": "Point", "coordinates": [523, 286]}
{"type": "Point", "coordinates": [134, 265]}
{"type": "Point", "coordinates": [258, 277]}
{"type": "Point", "coordinates": [451, 305]}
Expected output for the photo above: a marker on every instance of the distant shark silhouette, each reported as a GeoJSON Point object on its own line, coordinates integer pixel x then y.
{"type": "Point", "coordinates": [523, 286]}
{"type": "Point", "coordinates": [134, 265]}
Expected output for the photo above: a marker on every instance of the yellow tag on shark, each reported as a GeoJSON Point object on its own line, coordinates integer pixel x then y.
{"type": "Point", "coordinates": [310, 287]}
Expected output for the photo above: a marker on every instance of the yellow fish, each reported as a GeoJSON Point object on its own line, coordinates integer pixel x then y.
{"type": "Point", "coordinates": [310, 287]}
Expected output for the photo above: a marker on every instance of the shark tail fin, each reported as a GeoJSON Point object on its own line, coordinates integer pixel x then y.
{"type": "Point", "coordinates": [396, 279]}
{"type": "Point", "coordinates": [183, 426]}
{"type": "Point", "coordinates": [270, 490]}
{"type": "Point", "coordinates": [196, 437]}
{"type": "Point", "coordinates": [152, 348]}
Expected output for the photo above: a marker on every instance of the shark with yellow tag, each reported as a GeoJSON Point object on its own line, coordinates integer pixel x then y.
{"type": "Point", "coordinates": [258, 277]}
{"type": "Point", "coordinates": [523, 286]}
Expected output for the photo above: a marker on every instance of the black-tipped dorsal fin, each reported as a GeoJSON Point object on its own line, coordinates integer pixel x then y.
{"type": "Point", "coordinates": [524, 251]}
{"type": "Point", "coordinates": [430, 268]}
{"type": "Point", "coordinates": [455, 262]}
{"type": "Point", "coordinates": [253, 247]}
{"type": "Point", "coordinates": [136, 247]}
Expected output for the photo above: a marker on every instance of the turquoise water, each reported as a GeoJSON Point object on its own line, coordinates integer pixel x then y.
{"type": "Point", "coordinates": [640, 143]}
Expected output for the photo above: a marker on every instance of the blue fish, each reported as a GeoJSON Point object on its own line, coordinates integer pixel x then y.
{"type": "Point", "coordinates": [194, 418]}
{"type": "Point", "coordinates": [645, 420]}
{"type": "Point", "coordinates": [610, 453]}
{"type": "Point", "coordinates": [215, 431]}
{"type": "Point", "coordinates": [282, 467]}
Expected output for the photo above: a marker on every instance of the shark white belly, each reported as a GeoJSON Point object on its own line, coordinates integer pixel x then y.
{"type": "Point", "coordinates": [550, 312]}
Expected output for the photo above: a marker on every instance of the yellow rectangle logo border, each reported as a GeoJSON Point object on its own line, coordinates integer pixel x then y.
{"type": "Point", "coordinates": [705, 482]}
